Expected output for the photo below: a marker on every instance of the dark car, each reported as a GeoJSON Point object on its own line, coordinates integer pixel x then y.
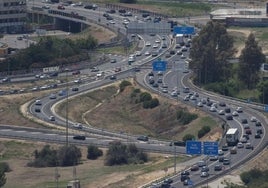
{"type": "Point", "coordinates": [79, 137]}
{"type": "Point", "coordinates": [194, 168]}
{"type": "Point", "coordinates": [222, 104]}
{"type": "Point", "coordinates": [224, 148]}
{"type": "Point", "coordinates": [218, 167]}
{"type": "Point", "coordinates": [259, 131]}
{"type": "Point", "coordinates": [229, 117]}
{"type": "Point", "coordinates": [143, 138]}
{"type": "Point", "coordinates": [113, 60]}
{"type": "Point", "coordinates": [151, 74]}
{"type": "Point", "coordinates": [258, 124]}
{"type": "Point", "coordinates": [75, 89]}
{"type": "Point", "coordinates": [37, 110]}
{"type": "Point", "coordinates": [244, 121]}
{"type": "Point", "coordinates": [76, 72]}
{"type": "Point", "coordinates": [179, 143]}
{"type": "Point", "coordinates": [184, 177]}
{"type": "Point", "coordinates": [257, 135]}
{"type": "Point", "coordinates": [227, 110]}
{"type": "Point", "coordinates": [113, 77]}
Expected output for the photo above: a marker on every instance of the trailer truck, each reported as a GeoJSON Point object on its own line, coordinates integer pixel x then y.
{"type": "Point", "coordinates": [179, 39]}
{"type": "Point", "coordinates": [232, 136]}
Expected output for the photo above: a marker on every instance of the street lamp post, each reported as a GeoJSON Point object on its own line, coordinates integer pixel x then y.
{"type": "Point", "coordinates": [67, 110]}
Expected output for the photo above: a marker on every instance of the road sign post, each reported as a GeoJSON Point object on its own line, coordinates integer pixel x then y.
{"type": "Point", "coordinates": [193, 148]}
{"type": "Point", "coordinates": [210, 148]}
{"type": "Point", "coordinates": [159, 65]}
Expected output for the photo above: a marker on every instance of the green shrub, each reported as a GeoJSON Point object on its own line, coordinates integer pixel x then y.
{"type": "Point", "coordinates": [124, 84]}
{"type": "Point", "coordinates": [93, 152]}
{"type": "Point", "coordinates": [4, 166]}
{"type": "Point", "coordinates": [188, 137]}
{"type": "Point", "coordinates": [185, 117]}
{"type": "Point", "coordinates": [145, 96]}
{"type": "Point", "coordinates": [203, 131]}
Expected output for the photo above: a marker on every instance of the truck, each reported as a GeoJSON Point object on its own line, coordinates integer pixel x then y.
{"type": "Point", "coordinates": [179, 39]}
{"type": "Point", "coordinates": [232, 136]}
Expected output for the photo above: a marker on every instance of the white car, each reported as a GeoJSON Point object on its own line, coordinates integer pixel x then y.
{"type": "Point", "coordinates": [212, 109]}
{"type": "Point", "coordinates": [239, 109]}
{"type": "Point", "coordinates": [240, 145]}
{"type": "Point", "coordinates": [220, 152]}
{"type": "Point", "coordinates": [147, 44]}
{"type": "Point", "coordinates": [78, 126]}
{"type": "Point", "coordinates": [221, 112]}
{"type": "Point", "coordinates": [157, 41]}
{"type": "Point", "coordinates": [235, 113]}
{"type": "Point", "coordinates": [253, 119]}
{"type": "Point", "coordinates": [147, 53]}
{"type": "Point", "coordinates": [138, 53]}
{"type": "Point", "coordinates": [200, 104]}
{"type": "Point", "coordinates": [155, 46]}
{"type": "Point", "coordinates": [112, 22]}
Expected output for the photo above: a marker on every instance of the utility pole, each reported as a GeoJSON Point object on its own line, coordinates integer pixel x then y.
{"type": "Point", "coordinates": [67, 110]}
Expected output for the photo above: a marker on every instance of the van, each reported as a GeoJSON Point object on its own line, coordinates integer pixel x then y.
{"type": "Point", "coordinates": [233, 150]}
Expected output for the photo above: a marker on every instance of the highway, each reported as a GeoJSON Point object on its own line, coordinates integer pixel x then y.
{"type": "Point", "coordinates": [173, 77]}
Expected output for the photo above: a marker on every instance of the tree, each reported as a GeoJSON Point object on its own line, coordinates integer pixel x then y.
{"type": "Point", "coordinates": [69, 155]}
{"type": "Point", "coordinates": [250, 62]}
{"type": "Point", "coordinates": [93, 152]}
{"type": "Point", "coordinates": [263, 90]}
{"type": "Point", "coordinates": [188, 137]}
{"type": "Point", "coordinates": [3, 178]}
{"type": "Point", "coordinates": [210, 52]}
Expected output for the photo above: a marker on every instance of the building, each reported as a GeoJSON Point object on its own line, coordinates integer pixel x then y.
{"type": "Point", "coordinates": [12, 16]}
{"type": "Point", "coordinates": [242, 17]}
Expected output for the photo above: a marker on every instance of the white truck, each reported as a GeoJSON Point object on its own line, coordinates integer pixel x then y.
{"type": "Point", "coordinates": [232, 136]}
{"type": "Point", "coordinates": [179, 39]}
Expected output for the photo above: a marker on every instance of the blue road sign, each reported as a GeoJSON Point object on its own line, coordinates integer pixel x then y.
{"type": "Point", "coordinates": [193, 147]}
{"type": "Point", "coordinates": [159, 65]}
{"type": "Point", "coordinates": [266, 108]}
{"type": "Point", "coordinates": [183, 30]}
{"type": "Point", "coordinates": [211, 148]}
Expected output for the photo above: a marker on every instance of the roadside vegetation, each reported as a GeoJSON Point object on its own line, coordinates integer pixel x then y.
{"type": "Point", "coordinates": [210, 54]}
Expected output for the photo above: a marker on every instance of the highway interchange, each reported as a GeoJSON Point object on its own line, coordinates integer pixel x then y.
{"type": "Point", "coordinates": [176, 78]}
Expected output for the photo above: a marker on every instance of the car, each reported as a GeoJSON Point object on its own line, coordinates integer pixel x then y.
{"type": "Point", "coordinates": [218, 167]}
{"type": "Point", "coordinates": [164, 90]}
{"type": "Point", "coordinates": [253, 119]}
{"type": "Point", "coordinates": [160, 80]}
{"type": "Point", "coordinates": [246, 126]}
{"type": "Point", "coordinates": [147, 53]}
{"type": "Point", "coordinates": [155, 46]}
{"type": "Point", "coordinates": [172, 52]}
{"type": "Point", "coordinates": [194, 168]}
{"type": "Point", "coordinates": [245, 136]}
{"type": "Point", "coordinates": [76, 72]}
{"type": "Point", "coordinates": [224, 148]}
{"type": "Point", "coordinates": [184, 177]}
{"type": "Point", "coordinates": [258, 124]}
{"type": "Point", "coordinates": [61, 7]}
{"type": "Point", "coordinates": [6, 79]}
{"type": "Point", "coordinates": [227, 110]}
{"type": "Point", "coordinates": [221, 159]}
{"type": "Point", "coordinates": [204, 169]}
{"type": "Point", "coordinates": [185, 172]}
{"type": "Point", "coordinates": [75, 89]}
{"type": "Point", "coordinates": [243, 140]}
{"type": "Point", "coordinates": [257, 135]}
{"type": "Point", "coordinates": [186, 98]}
{"type": "Point", "coordinates": [193, 97]}
{"type": "Point", "coordinates": [248, 131]}
{"type": "Point", "coordinates": [157, 41]}
{"type": "Point", "coordinates": [143, 138]}
{"type": "Point", "coordinates": [248, 146]}
{"type": "Point", "coordinates": [168, 56]}
{"type": "Point", "coordinates": [111, 22]}
{"type": "Point", "coordinates": [52, 96]}
{"type": "Point", "coordinates": [38, 102]}
{"type": "Point", "coordinates": [226, 161]}
{"type": "Point", "coordinates": [229, 117]}
{"type": "Point", "coordinates": [179, 143]}
{"type": "Point", "coordinates": [164, 86]}
{"type": "Point", "coordinates": [155, 85]}
{"type": "Point", "coordinates": [204, 174]}
{"type": "Point", "coordinates": [168, 180]}
{"type": "Point", "coordinates": [213, 158]}
{"type": "Point", "coordinates": [221, 112]}
{"type": "Point", "coordinates": [147, 44]}
{"type": "Point", "coordinates": [52, 118]}
{"type": "Point", "coordinates": [222, 104]}
{"type": "Point", "coordinates": [186, 90]}
{"type": "Point", "coordinates": [79, 137]}
{"type": "Point", "coordinates": [78, 126]}
{"type": "Point", "coordinates": [151, 81]}
{"type": "Point", "coordinates": [200, 104]}
{"type": "Point", "coordinates": [259, 131]}
{"type": "Point", "coordinates": [112, 77]}
{"type": "Point", "coordinates": [240, 145]}
{"type": "Point", "coordinates": [244, 121]}
{"type": "Point", "coordinates": [233, 150]}
{"type": "Point", "coordinates": [235, 113]}
{"type": "Point", "coordinates": [183, 56]}
{"type": "Point", "coordinates": [174, 94]}
{"type": "Point", "coordinates": [179, 52]}
{"type": "Point", "coordinates": [164, 45]}
{"type": "Point", "coordinates": [138, 53]}
{"type": "Point", "coordinates": [239, 109]}
{"type": "Point", "coordinates": [95, 69]}
{"type": "Point", "coordinates": [117, 69]}
{"type": "Point", "coordinates": [201, 163]}
{"type": "Point", "coordinates": [220, 152]}
{"type": "Point", "coordinates": [46, 7]}
{"type": "Point", "coordinates": [37, 110]}
{"type": "Point", "coordinates": [212, 109]}
{"type": "Point", "coordinates": [186, 182]}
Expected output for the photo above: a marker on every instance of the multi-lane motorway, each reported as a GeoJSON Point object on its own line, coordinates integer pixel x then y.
{"type": "Point", "coordinates": [175, 78]}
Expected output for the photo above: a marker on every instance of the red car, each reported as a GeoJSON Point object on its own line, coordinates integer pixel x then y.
{"type": "Point", "coordinates": [76, 72]}
{"type": "Point", "coordinates": [61, 7]}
